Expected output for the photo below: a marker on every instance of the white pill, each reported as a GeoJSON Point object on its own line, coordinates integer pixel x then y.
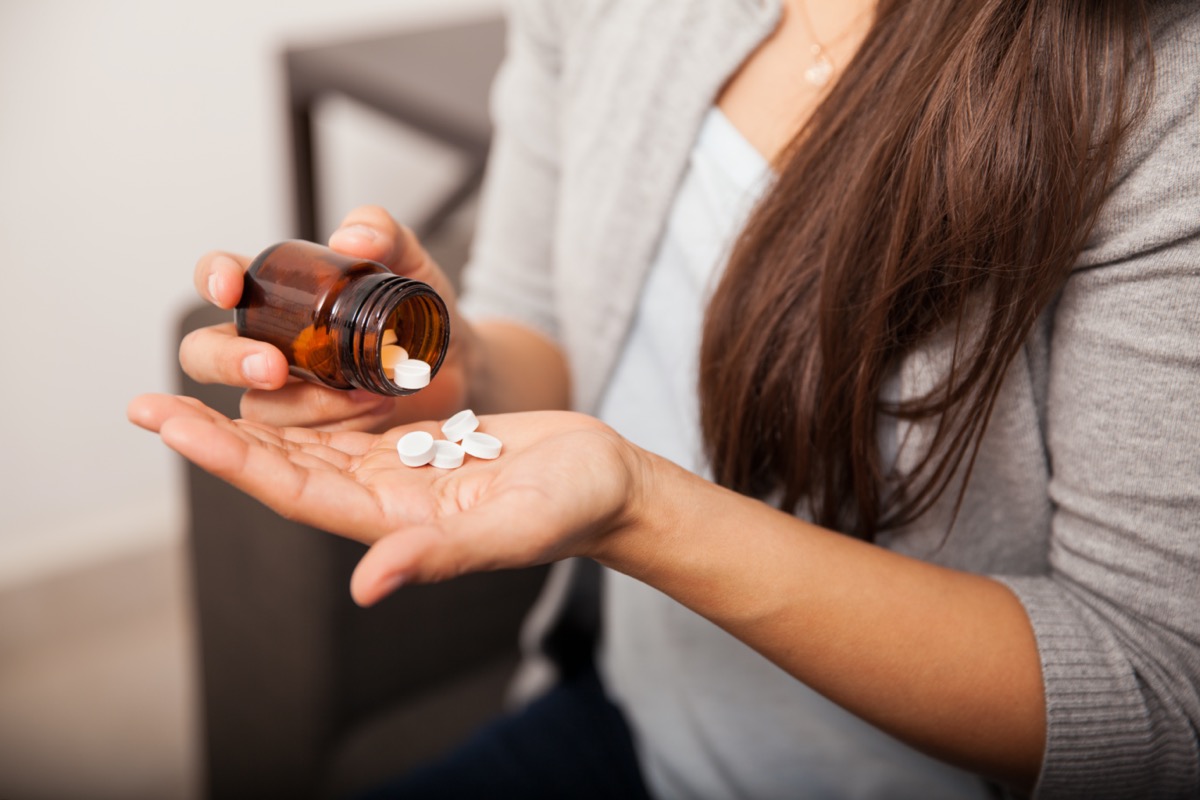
{"type": "Point", "coordinates": [448, 455]}
{"type": "Point", "coordinates": [481, 445]}
{"type": "Point", "coordinates": [416, 449]}
{"type": "Point", "coordinates": [390, 355]}
{"type": "Point", "coordinates": [460, 425]}
{"type": "Point", "coordinates": [389, 337]}
{"type": "Point", "coordinates": [412, 373]}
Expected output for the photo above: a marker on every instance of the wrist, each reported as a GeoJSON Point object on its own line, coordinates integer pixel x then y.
{"type": "Point", "coordinates": [477, 370]}
{"type": "Point", "coordinates": [645, 519]}
{"type": "Point", "coordinates": [512, 367]}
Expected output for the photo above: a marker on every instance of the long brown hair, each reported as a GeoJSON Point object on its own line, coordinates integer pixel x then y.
{"type": "Point", "coordinates": [949, 181]}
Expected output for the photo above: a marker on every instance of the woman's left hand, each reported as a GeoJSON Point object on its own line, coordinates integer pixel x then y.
{"type": "Point", "coordinates": [562, 483]}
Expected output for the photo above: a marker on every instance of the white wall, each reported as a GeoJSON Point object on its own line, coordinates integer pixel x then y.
{"type": "Point", "coordinates": [134, 136]}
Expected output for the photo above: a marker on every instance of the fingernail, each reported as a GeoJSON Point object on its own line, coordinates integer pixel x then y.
{"type": "Point", "coordinates": [360, 232]}
{"type": "Point", "coordinates": [256, 368]}
{"type": "Point", "coordinates": [214, 285]}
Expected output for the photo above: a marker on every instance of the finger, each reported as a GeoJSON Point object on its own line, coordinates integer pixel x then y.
{"type": "Point", "coordinates": [320, 459]}
{"type": "Point", "coordinates": [343, 448]}
{"type": "Point", "coordinates": [216, 354]}
{"type": "Point", "coordinates": [390, 563]}
{"type": "Point", "coordinates": [338, 450]}
{"type": "Point", "coordinates": [477, 539]}
{"type": "Point", "coordinates": [321, 498]}
{"type": "Point", "coordinates": [149, 411]}
{"type": "Point", "coordinates": [301, 403]}
{"type": "Point", "coordinates": [218, 278]}
{"type": "Point", "coordinates": [371, 232]}
{"type": "Point", "coordinates": [313, 448]}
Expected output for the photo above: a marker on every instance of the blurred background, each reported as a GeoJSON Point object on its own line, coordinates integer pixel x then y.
{"type": "Point", "coordinates": [134, 136]}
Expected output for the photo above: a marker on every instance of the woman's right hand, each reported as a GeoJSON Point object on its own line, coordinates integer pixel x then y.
{"type": "Point", "coordinates": [218, 355]}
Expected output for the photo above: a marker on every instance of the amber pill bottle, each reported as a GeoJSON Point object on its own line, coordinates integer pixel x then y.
{"type": "Point", "coordinates": [328, 313]}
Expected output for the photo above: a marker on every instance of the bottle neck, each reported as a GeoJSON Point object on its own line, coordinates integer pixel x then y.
{"type": "Point", "coordinates": [368, 306]}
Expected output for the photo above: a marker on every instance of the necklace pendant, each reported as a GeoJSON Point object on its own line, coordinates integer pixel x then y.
{"type": "Point", "coordinates": [821, 70]}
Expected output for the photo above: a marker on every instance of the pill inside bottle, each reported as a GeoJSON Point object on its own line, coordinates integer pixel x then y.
{"type": "Point", "coordinates": [341, 321]}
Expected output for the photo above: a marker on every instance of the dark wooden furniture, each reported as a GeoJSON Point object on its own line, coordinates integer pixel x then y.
{"type": "Point", "coordinates": [435, 81]}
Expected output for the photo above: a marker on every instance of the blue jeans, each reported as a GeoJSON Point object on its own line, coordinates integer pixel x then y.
{"type": "Point", "coordinates": [570, 743]}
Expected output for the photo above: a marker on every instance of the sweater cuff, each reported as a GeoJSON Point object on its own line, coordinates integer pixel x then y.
{"type": "Point", "coordinates": [1098, 732]}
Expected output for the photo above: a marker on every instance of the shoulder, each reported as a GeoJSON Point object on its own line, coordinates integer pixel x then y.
{"type": "Point", "coordinates": [1175, 21]}
{"type": "Point", "coordinates": [1173, 104]}
{"type": "Point", "coordinates": [1175, 40]}
{"type": "Point", "coordinates": [1153, 205]}
{"type": "Point", "coordinates": [589, 25]}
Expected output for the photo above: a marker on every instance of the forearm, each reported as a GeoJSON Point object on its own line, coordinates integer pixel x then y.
{"type": "Point", "coordinates": [943, 660]}
{"type": "Point", "coordinates": [515, 368]}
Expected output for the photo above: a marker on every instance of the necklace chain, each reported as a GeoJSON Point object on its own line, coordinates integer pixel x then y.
{"type": "Point", "coordinates": [822, 67]}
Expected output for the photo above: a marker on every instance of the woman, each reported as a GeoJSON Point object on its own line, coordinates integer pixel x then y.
{"type": "Point", "coordinates": [946, 387]}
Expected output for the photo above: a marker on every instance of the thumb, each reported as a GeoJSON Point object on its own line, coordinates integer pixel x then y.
{"type": "Point", "coordinates": [389, 564]}
{"type": "Point", "coordinates": [500, 535]}
{"type": "Point", "coordinates": [370, 232]}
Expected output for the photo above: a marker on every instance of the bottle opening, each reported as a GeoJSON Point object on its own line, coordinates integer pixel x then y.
{"type": "Point", "coordinates": [404, 313]}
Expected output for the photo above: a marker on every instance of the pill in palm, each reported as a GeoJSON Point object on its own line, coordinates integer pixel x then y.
{"type": "Point", "coordinates": [460, 425]}
{"type": "Point", "coordinates": [416, 449]}
{"type": "Point", "coordinates": [412, 373]}
{"type": "Point", "coordinates": [419, 448]}
{"type": "Point", "coordinates": [481, 445]}
{"type": "Point", "coordinates": [447, 455]}
{"type": "Point", "coordinates": [390, 355]}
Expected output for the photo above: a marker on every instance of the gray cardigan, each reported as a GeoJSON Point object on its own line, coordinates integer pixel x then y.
{"type": "Point", "coordinates": [1085, 498]}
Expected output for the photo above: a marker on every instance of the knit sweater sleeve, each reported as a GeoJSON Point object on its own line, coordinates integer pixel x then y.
{"type": "Point", "coordinates": [510, 271]}
{"type": "Point", "coordinates": [1117, 618]}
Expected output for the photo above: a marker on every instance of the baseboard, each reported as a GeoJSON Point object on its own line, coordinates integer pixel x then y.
{"type": "Point", "coordinates": [61, 545]}
{"type": "Point", "coordinates": [76, 576]}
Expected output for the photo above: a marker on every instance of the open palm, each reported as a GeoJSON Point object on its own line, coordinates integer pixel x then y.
{"type": "Point", "coordinates": [562, 481]}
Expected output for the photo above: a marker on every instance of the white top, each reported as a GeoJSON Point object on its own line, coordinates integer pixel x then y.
{"type": "Point", "coordinates": [711, 716]}
{"type": "Point", "coordinates": [652, 398]}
